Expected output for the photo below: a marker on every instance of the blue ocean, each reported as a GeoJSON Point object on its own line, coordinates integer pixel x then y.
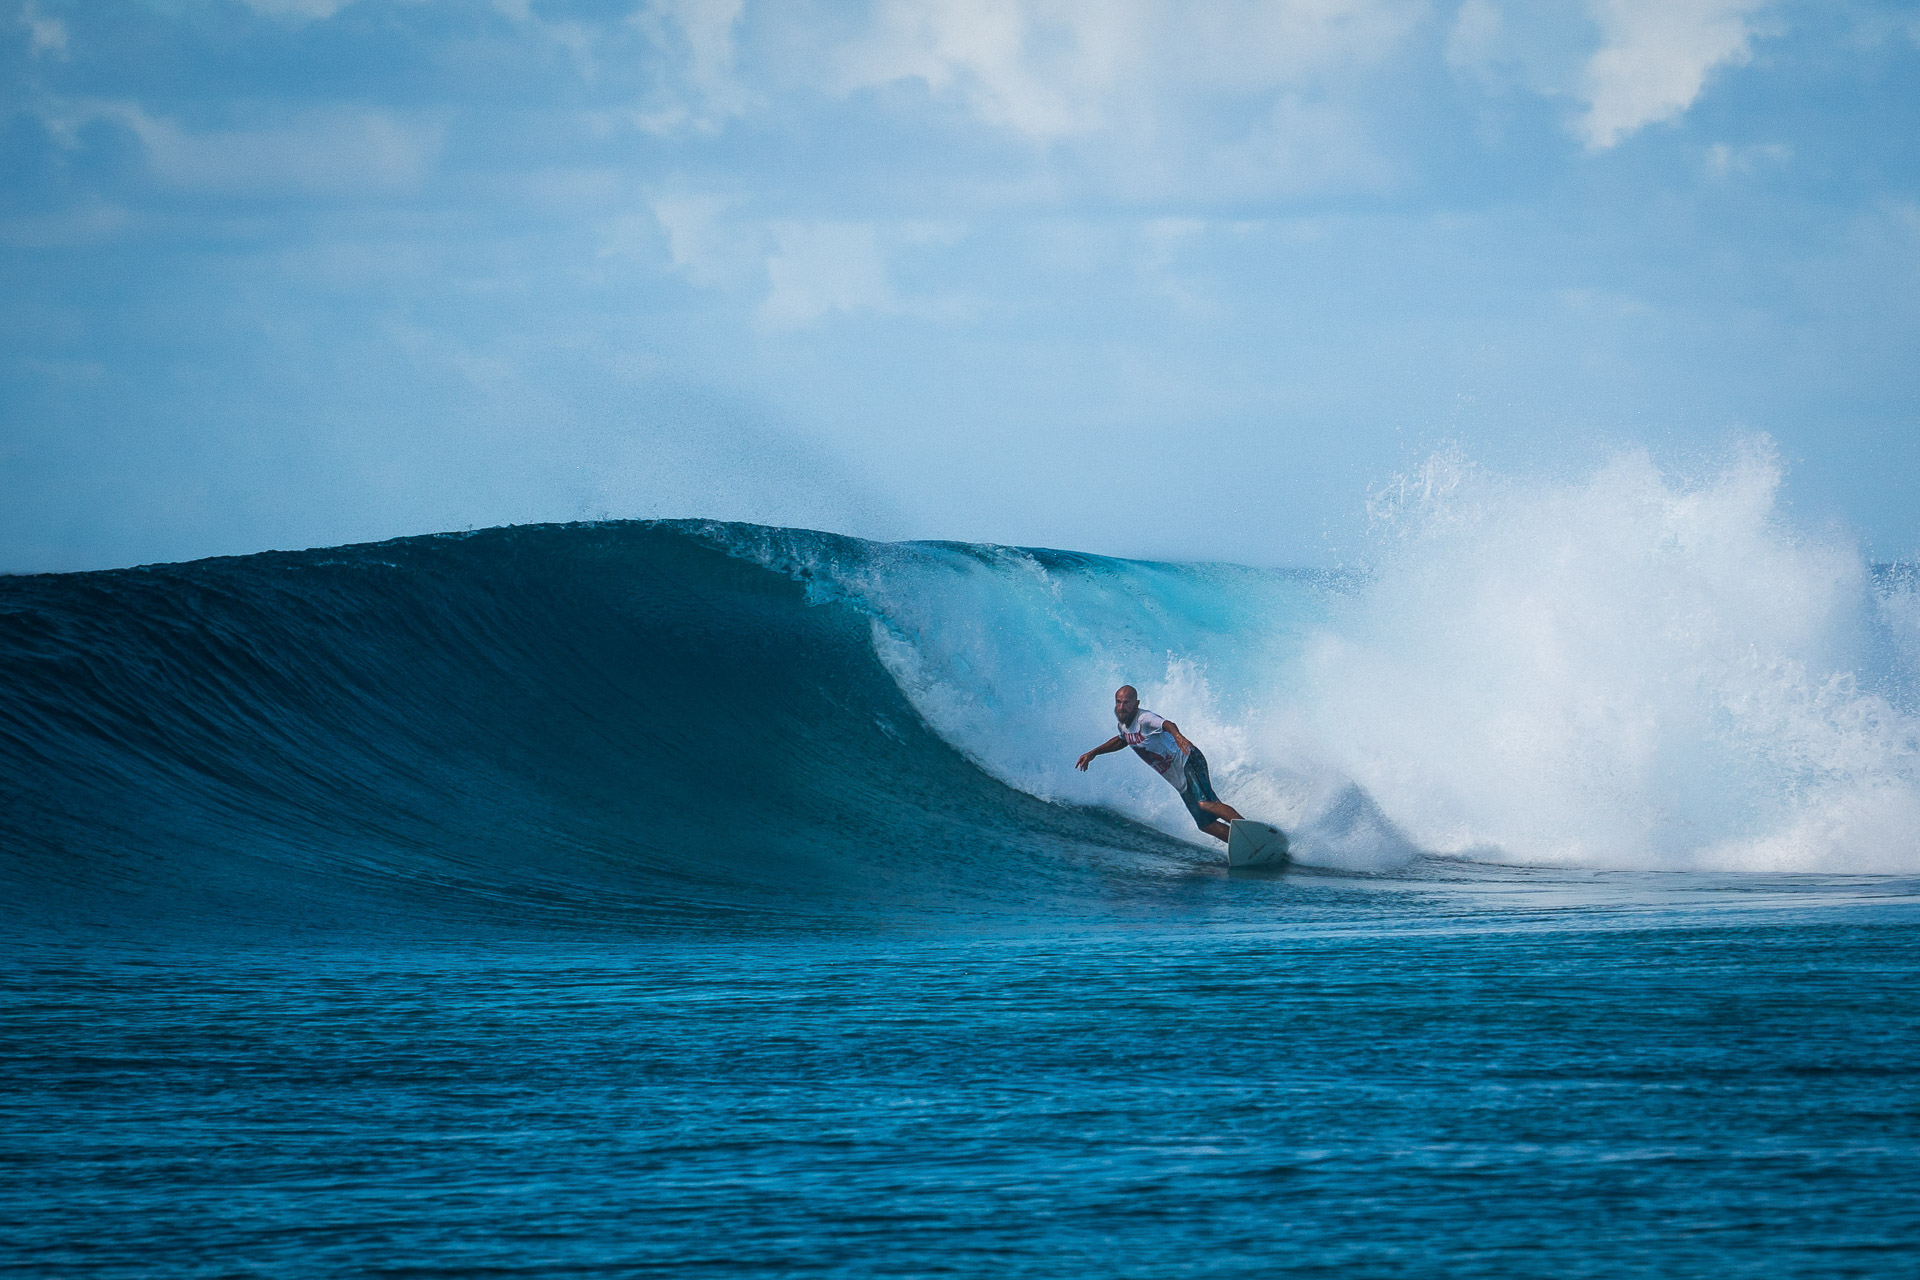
{"type": "Point", "coordinates": [681, 898]}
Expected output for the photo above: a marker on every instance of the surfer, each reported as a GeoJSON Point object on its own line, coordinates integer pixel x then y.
{"type": "Point", "coordinates": [1160, 743]}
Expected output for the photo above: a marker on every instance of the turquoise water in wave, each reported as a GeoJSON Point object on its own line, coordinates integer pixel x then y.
{"type": "Point", "coordinates": [627, 899]}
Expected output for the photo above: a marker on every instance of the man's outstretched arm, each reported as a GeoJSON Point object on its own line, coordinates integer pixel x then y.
{"type": "Point", "coordinates": [1115, 743]}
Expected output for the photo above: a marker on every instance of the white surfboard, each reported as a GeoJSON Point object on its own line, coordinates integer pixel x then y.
{"type": "Point", "coordinates": [1255, 844]}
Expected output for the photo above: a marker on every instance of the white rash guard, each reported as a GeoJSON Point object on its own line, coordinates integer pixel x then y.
{"type": "Point", "coordinates": [1148, 737]}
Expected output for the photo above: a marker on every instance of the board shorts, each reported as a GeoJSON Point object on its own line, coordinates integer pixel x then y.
{"type": "Point", "coordinates": [1199, 787]}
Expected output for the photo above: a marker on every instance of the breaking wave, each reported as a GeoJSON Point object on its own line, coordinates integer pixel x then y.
{"type": "Point", "coordinates": [665, 721]}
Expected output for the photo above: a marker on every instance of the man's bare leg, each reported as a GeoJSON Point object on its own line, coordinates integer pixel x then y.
{"type": "Point", "coordinates": [1217, 829]}
{"type": "Point", "coordinates": [1224, 811]}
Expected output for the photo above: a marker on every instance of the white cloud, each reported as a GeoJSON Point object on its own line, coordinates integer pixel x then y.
{"type": "Point", "coordinates": [803, 271]}
{"type": "Point", "coordinates": [1056, 69]}
{"type": "Point", "coordinates": [1475, 38]}
{"type": "Point", "coordinates": [298, 10]}
{"type": "Point", "coordinates": [707, 26]}
{"type": "Point", "coordinates": [1723, 161]}
{"type": "Point", "coordinates": [1655, 58]}
{"type": "Point", "coordinates": [822, 267]}
{"type": "Point", "coordinates": [1152, 99]}
{"type": "Point", "coordinates": [700, 36]}
{"type": "Point", "coordinates": [687, 55]}
{"type": "Point", "coordinates": [1039, 69]}
{"type": "Point", "coordinates": [322, 152]}
{"type": "Point", "coordinates": [45, 35]}
{"type": "Point", "coordinates": [1300, 147]}
{"type": "Point", "coordinates": [704, 246]}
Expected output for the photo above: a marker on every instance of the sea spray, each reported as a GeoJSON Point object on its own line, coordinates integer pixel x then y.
{"type": "Point", "coordinates": [1628, 669]}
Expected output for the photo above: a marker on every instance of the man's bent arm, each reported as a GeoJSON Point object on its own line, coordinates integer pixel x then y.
{"type": "Point", "coordinates": [1178, 736]}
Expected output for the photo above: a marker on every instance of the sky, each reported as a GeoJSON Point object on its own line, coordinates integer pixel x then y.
{"type": "Point", "coordinates": [1127, 276]}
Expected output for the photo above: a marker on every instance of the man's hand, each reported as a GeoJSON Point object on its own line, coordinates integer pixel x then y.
{"type": "Point", "coordinates": [1085, 759]}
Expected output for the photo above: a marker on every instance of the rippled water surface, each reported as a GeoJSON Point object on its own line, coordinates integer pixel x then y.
{"type": "Point", "coordinates": [1466, 1071]}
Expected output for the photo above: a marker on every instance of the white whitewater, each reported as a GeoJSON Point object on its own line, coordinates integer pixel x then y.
{"type": "Point", "coordinates": [1625, 669]}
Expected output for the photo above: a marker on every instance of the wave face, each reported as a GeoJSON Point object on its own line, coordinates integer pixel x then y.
{"type": "Point", "coordinates": [667, 721]}
{"type": "Point", "coordinates": [551, 722]}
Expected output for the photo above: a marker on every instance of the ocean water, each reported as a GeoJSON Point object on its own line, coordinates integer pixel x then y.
{"type": "Point", "coordinates": [637, 898]}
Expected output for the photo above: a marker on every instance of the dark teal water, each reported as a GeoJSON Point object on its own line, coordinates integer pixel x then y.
{"type": "Point", "coordinates": [356, 922]}
{"type": "Point", "coordinates": [1291, 1076]}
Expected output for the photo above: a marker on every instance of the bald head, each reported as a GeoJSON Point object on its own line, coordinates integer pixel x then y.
{"type": "Point", "coordinates": [1126, 703]}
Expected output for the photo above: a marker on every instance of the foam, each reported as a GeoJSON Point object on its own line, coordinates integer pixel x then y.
{"type": "Point", "coordinates": [1629, 668]}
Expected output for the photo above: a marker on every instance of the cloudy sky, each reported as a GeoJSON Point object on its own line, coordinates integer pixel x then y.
{"type": "Point", "coordinates": [1129, 276]}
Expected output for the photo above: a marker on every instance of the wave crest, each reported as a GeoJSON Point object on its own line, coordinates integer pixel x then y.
{"type": "Point", "coordinates": [1626, 669]}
